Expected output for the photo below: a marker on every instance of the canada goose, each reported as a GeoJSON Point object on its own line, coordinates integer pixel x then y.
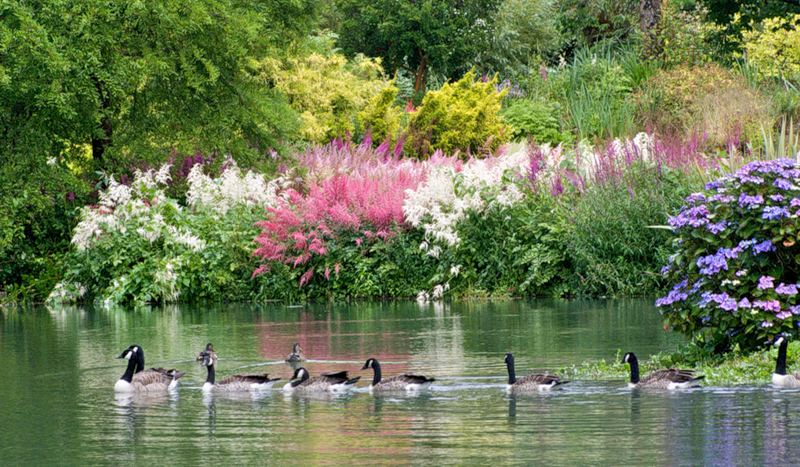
{"type": "Point", "coordinates": [152, 380]}
{"type": "Point", "coordinates": [780, 378]}
{"type": "Point", "coordinates": [671, 378]}
{"type": "Point", "coordinates": [295, 356]}
{"type": "Point", "coordinates": [534, 382]}
{"type": "Point", "coordinates": [239, 382]}
{"type": "Point", "coordinates": [405, 381]}
{"type": "Point", "coordinates": [333, 382]}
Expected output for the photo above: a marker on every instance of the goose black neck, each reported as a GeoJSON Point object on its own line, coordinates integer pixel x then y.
{"type": "Point", "coordinates": [511, 377]}
{"type": "Point", "coordinates": [298, 382]}
{"type": "Point", "coordinates": [128, 376]}
{"type": "Point", "coordinates": [139, 360]}
{"type": "Point", "coordinates": [376, 367]}
{"type": "Point", "coordinates": [211, 375]}
{"type": "Point", "coordinates": [634, 363]}
{"type": "Point", "coordinates": [780, 366]}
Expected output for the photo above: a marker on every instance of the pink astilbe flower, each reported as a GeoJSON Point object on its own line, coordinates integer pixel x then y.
{"type": "Point", "coordinates": [300, 227]}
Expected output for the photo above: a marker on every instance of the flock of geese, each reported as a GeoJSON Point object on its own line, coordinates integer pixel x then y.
{"type": "Point", "coordinates": [136, 379]}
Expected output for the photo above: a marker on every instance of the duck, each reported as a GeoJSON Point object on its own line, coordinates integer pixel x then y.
{"type": "Point", "coordinates": [295, 356]}
{"type": "Point", "coordinates": [780, 378]}
{"type": "Point", "coordinates": [534, 382]}
{"type": "Point", "coordinates": [136, 379]}
{"type": "Point", "coordinates": [238, 382]}
{"type": "Point", "coordinates": [337, 381]}
{"type": "Point", "coordinates": [671, 378]}
{"type": "Point", "coordinates": [404, 381]}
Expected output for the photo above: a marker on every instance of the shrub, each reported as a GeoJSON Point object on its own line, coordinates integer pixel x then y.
{"type": "Point", "coordinates": [774, 46]}
{"type": "Point", "coordinates": [535, 119]}
{"type": "Point", "coordinates": [735, 264]}
{"type": "Point", "coordinates": [709, 99]}
{"type": "Point", "coordinates": [140, 245]}
{"type": "Point", "coordinates": [328, 91]}
{"type": "Point", "coordinates": [459, 116]}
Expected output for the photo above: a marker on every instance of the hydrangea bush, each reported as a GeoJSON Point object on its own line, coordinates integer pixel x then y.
{"type": "Point", "coordinates": [736, 261]}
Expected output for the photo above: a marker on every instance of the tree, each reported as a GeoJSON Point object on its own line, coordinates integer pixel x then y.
{"type": "Point", "coordinates": [141, 76]}
{"type": "Point", "coordinates": [737, 15]}
{"type": "Point", "coordinates": [418, 35]}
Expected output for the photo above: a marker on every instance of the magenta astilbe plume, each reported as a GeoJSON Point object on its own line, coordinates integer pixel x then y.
{"type": "Point", "coordinates": [301, 226]}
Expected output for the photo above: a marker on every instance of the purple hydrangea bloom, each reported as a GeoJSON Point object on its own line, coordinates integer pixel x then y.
{"type": "Point", "coordinates": [785, 289]}
{"type": "Point", "coordinates": [695, 197]}
{"type": "Point", "coordinates": [725, 199]}
{"type": "Point", "coordinates": [766, 324]}
{"type": "Point", "coordinates": [741, 273]}
{"type": "Point", "coordinates": [776, 198]}
{"type": "Point", "coordinates": [713, 263]}
{"type": "Point", "coordinates": [763, 247]}
{"type": "Point", "coordinates": [744, 303]}
{"type": "Point", "coordinates": [783, 315]}
{"type": "Point", "coordinates": [765, 282]}
{"type": "Point", "coordinates": [775, 212]}
{"type": "Point", "coordinates": [714, 185]}
{"type": "Point", "coordinates": [783, 184]}
{"type": "Point", "coordinates": [768, 305]}
{"type": "Point", "coordinates": [747, 200]}
{"type": "Point", "coordinates": [751, 179]}
{"type": "Point", "coordinates": [795, 309]}
{"type": "Point", "coordinates": [716, 228]}
{"type": "Point", "coordinates": [795, 202]}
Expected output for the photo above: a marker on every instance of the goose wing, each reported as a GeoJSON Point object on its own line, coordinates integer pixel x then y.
{"type": "Point", "coordinates": [157, 376]}
{"type": "Point", "coordinates": [248, 378]}
{"type": "Point", "coordinates": [663, 378]}
{"type": "Point", "coordinates": [411, 378]}
{"type": "Point", "coordinates": [334, 377]}
{"type": "Point", "coordinates": [539, 378]}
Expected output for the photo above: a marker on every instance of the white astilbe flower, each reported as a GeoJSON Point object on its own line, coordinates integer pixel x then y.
{"type": "Point", "coordinates": [230, 189]}
{"type": "Point", "coordinates": [65, 292]}
{"type": "Point", "coordinates": [447, 196]}
{"type": "Point", "coordinates": [166, 280]}
{"type": "Point", "coordinates": [186, 238]}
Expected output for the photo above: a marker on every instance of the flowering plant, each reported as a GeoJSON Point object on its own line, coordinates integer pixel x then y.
{"type": "Point", "coordinates": [735, 266]}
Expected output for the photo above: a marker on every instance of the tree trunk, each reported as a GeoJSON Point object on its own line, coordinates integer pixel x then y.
{"type": "Point", "coordinates": [650, 16]}
{"type": "Point", "coordinates": [99, 144]}
{"type": "Point", "coordinates": [421, 76]}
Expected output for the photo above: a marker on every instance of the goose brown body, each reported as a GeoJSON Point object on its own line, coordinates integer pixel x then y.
{"type": "Point", "coordinates": [530, 383]}
{"type": "Point", "coordinates": [670, 378]}
{"type": "Point", "coordinates": [401, 382]}
{"type": "Point", "coordinates": [236, 383]}
{"type": "Point", "coordinates": [136, 379]}
{"type": "Point", "coordinates": [337, 381]}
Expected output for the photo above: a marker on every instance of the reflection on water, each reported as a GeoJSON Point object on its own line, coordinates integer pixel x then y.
{"type": "Point", "coordinates": [57, 372]}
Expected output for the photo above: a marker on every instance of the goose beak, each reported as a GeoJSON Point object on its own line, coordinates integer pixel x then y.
{"type": "Point", "coordinates": [122, 355]}
{"type": "Point", "coordinates": [363, 367]}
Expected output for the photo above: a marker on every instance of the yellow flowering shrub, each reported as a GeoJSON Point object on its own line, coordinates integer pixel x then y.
{"type": "Point", "coordinates": [381, 117]}
{"type": "Point", "coordinates": [462, 115]}
{"type": "Point", "coordinates": [775, 47]}
{"type": "Point", "coordinates": [328, 91]}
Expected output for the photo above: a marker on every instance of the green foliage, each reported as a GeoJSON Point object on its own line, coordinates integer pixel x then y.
{"type": "Point", "coordinates": [525, 31]}
{"type": "Point", "coordinates": [127, 77]}
{"type": "Point", "coordinates": [685, 38]}
{"type": "Point", "coordinates": [536, 119]}
{"type": "Point", "coordinates": [463, 115]}
{"type": "Point", "coordinates": [610, 245]}
{"type": "Point", "coordinates": [443, 36]}
{"type": "Point", "coordinates": [774, 47]}
{"type": "Point", "coordinates": [596, 22]}
{"type": "Point", "coordinates": [381, 118]}
{"type": "Point", "coordinates": [328, 92]}
{"type": "Point", "coordinates": [736, 17]}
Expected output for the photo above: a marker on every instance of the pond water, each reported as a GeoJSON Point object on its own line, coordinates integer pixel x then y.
{"type": "Point", "coordinates": [58, 369]}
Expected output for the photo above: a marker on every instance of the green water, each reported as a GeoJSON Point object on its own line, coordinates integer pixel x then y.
{"type": "Point", "coordinates": [57, 405]}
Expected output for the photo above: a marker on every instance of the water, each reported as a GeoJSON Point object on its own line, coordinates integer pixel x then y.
{"type": "Point", "coordinates": [57, 371]}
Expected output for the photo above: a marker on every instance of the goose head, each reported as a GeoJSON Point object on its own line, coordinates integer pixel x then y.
{"type": "Point", "coordinates": [509, 358]}
{"type": "Point", "coordinates": [301, 374]}
{"type": "Point", "coordinates": [207, 357]}
{"type": "Point", "coordinates": [130, 353]}
{"type": "Point", "coordinates": [370, 364]}
{"type": "Point", "coordinates": [780, 338]}
{"type": "Point", "coordinates": [629, 357]}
